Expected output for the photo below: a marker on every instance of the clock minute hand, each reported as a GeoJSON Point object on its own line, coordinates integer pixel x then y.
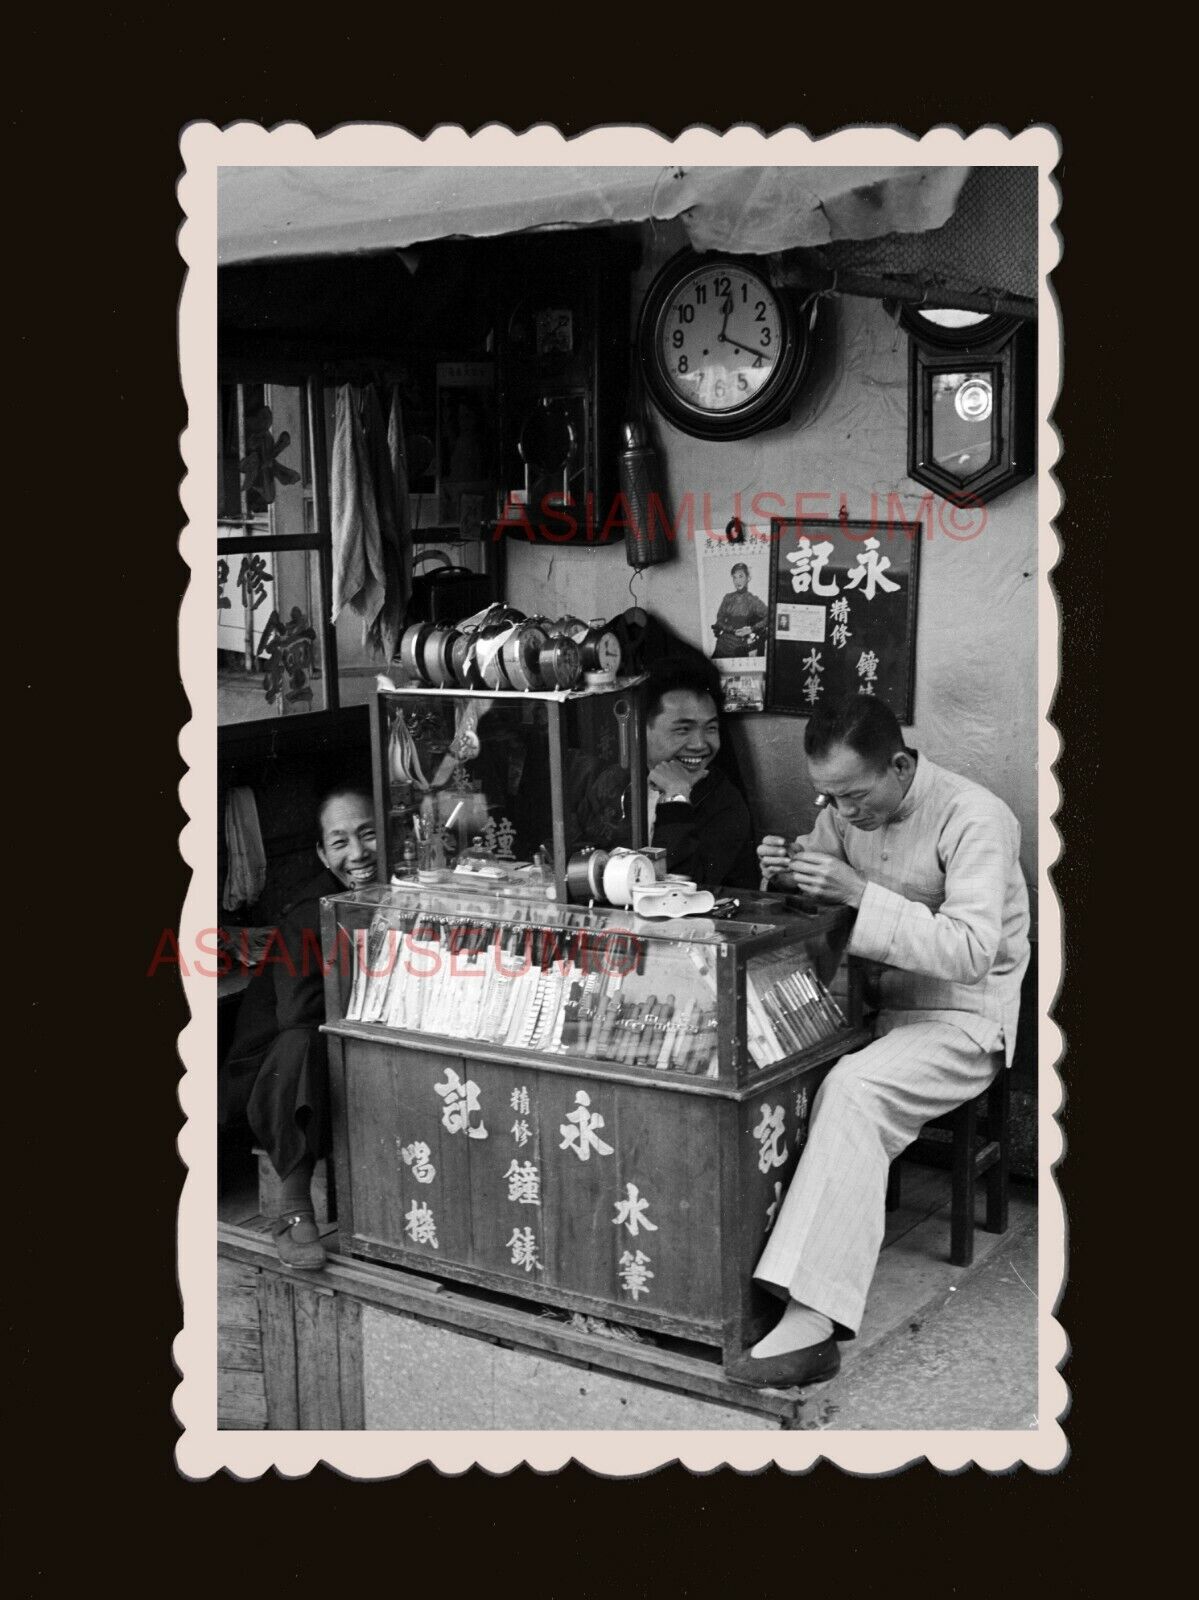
{"type": "Point", "coordinates": [736, 343]}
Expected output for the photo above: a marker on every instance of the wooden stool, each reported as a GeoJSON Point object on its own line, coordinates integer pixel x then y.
{"type": "Point", "coordinates": [968, 1159]}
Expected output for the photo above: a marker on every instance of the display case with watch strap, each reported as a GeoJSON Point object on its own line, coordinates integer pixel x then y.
{"type": "Point", "coordinates": [504, 773]}
{"type": "Point", "coordinates": [607, 1108]}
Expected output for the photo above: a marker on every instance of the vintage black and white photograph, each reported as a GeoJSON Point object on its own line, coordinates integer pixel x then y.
{"type": "Point", "coordinates": [593, 1069]}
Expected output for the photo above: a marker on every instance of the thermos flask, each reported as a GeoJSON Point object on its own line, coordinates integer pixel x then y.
{"type": "Point", "coordinates": [647, 541]}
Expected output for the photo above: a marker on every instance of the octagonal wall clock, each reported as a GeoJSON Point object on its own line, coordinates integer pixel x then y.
{"type": "Point", "coordinates": [723, 352]}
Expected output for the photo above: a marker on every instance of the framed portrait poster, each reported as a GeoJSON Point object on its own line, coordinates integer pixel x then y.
{"type": "Point", "coordinates": [734, 580]}
{"type": "Point", "coordinates": [842, 613]}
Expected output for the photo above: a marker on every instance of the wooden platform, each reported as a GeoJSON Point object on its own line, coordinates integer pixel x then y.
{"type": "Point", "coordinates": [365, 1346]}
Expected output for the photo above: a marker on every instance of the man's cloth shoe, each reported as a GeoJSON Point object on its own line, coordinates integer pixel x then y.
{"type": "Point", "coordinates": [815, 1363]}
{"type": "Point", "coordinates": [298, 1242]}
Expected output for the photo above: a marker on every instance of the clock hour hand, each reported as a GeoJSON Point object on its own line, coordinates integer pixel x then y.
{"type": "Point", "coordinates": [736, 343]}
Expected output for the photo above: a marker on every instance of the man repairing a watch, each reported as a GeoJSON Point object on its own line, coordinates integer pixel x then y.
{"type": "Point", "coordinates": [931, 863]}
{"type": "Point", "coordinates": [276, 1072]}
{"type": "Point", "coordinates": [695, 812]}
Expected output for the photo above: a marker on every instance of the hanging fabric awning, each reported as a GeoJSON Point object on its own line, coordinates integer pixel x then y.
{"type": "Point", "coordinates": [270, 213]}
{"type": "Point", "coordinates": [984, 258]}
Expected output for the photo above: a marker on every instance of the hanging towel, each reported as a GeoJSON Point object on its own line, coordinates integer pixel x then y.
{"type": "Point", "coordinates": [246, 873]}
{"type": "Point", "coordinates": [383, 633]}
{"type": "Point", "coordinates": [397, 449]}
{"type": "Point", "coordinates": [359, 578]}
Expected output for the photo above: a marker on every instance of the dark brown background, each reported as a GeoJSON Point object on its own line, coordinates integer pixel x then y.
{"type": "Point", "coordinates": [91, 173]}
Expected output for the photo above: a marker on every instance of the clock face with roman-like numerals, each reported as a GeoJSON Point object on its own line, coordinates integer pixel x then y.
{"type": "Point", "coordinates": [720, 348]}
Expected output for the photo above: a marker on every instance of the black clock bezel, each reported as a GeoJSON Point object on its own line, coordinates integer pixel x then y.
{"type": "Point", "coordinates": [771, 404]}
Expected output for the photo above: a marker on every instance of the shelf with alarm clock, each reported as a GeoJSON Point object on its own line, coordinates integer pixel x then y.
{"type": "Point", "coordinates": [484, 1047]}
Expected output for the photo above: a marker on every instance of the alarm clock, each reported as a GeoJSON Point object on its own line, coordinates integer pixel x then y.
{"type": "Point", "coordinates": [599, 647]}
{"type": "Point", "coordinates": [437, 655]}
{"type": "Point", "coordinates": [558, 664]}
{"type": "Point", "coordinates": [459, 653]}
{"type": "Point", "coordinates": [585, 873]}
{"type": "Point", "coordinates": [412, 650]}
{"type": "Point", "coordinates": [723, 352]}
{"type": "Point", "coordinates": [624, 872]}
{"type": "Point", "coordinates": [521, 653]}
{"type": "Point", "coordinates": [489, 650]}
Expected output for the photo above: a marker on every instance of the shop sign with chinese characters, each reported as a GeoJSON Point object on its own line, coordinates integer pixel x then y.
{"type": "Point", "coordinates": [842, 613]}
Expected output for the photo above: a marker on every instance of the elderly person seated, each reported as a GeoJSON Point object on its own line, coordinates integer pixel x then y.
{"type": "Point", "coordinates": [276, 1072]}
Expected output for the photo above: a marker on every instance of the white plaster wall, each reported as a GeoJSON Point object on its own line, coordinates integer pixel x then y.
{"type": "Point", "coordinates": [975, 700]}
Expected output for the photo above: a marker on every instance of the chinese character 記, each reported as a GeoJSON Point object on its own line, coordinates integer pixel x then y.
{"type": "Point", "coordinates": [461, 1102]}
{"type": "Point", "coordinates": [632, 1212]}
{"type": "Point", "coordinates": [523, 1245]}
{"type": "Point", "coordinates": [871, 567]}
{"type": "Point", "coordinates": [808, 561]}
{"type": "Point", "coordinates": [635, 1273]}
{"type": "Point", "coordinates": [524, 1183]}
{"type": "Point", "coordinates": [416, 1156]}
{"type": "Point", "coordinates": [769, 1132]}
{"type": "Point", "coordinates": [420, 1226]}
{"type": "Point", "coordinates": [582, 1138]}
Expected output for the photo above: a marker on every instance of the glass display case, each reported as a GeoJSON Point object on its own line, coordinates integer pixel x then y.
{"type": "Point", "coordinates": [506, 785]}
{"type": "Point", "coordinates": [578, 1105]}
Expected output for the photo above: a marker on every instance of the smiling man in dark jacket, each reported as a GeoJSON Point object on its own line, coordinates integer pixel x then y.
{"type": "Point", "coordinates": [695, 812]}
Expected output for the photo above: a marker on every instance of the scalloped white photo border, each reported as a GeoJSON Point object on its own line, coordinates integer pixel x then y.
{"type": "Point", "coordinates": [202, 1448]}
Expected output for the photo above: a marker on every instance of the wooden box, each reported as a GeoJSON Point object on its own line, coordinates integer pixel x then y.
{"type": "Point", "coordinates": [606, 1126]}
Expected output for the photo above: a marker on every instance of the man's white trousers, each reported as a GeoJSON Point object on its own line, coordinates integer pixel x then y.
{"type": "Point", "coordinates": [825, 1244]}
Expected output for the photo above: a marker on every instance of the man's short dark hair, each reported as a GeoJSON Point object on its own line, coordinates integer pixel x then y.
{"type": "Point", "coordinates": [677, 672]}
{"type": "Point", "coordinates": [863, 722]}
{"type": "Point", "coordinates": [348, 789]}
{"type": "Point", "coordinates": [740, 567]}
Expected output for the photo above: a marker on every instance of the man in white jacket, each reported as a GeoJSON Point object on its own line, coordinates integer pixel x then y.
{"type": "Point", "coordinates": [931, 863]}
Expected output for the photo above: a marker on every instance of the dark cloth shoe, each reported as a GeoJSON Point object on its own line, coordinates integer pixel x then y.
{"type": "Point", "coordinates": [816, 1363]}
{"type": "Point", "coordinates": [298, 1241]}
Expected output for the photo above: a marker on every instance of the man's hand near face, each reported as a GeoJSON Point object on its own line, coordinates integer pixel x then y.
{"type": "Point", "coordinates": [673, 778]}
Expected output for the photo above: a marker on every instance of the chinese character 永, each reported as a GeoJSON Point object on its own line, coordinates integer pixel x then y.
{"type": "Point", "coordinates": [461, 1102]}
{"type": "Point", "coordinates": [632, 1212]}
{"type": "Point", "coordinates": [523, 1245]}
{"type": "Point", "coordinates": [582, 1138]}
{"type": "Point", "coordinates": [769, 1133]}
{"type": "Point", "coordinates": [871, 567]}
{"type": "Point", "coordinates": [416, 1156]}
{"type": "Point", "coordinates": [419, 1225]}
{"type": "Point", "coordinates": [524, 1183]}
{"type": "Point", "coordinates": [635, 1273]}
{"type": "Point", "coordinates": [808, 561]}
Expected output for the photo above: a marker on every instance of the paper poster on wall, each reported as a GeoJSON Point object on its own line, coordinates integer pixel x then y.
{"type": "Point", "coordinates": [734, 581]}
{"type": "Point", "coordinates": [842, 613]}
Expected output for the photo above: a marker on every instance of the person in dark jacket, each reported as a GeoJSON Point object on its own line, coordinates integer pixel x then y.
{"type": "Point", "coordinates": [696, 813]}
{"type": "Point", "coordinates": [276, 1072]}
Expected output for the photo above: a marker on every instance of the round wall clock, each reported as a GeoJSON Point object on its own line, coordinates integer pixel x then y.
{"type": "Point", "coordinates": [723, 353]}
